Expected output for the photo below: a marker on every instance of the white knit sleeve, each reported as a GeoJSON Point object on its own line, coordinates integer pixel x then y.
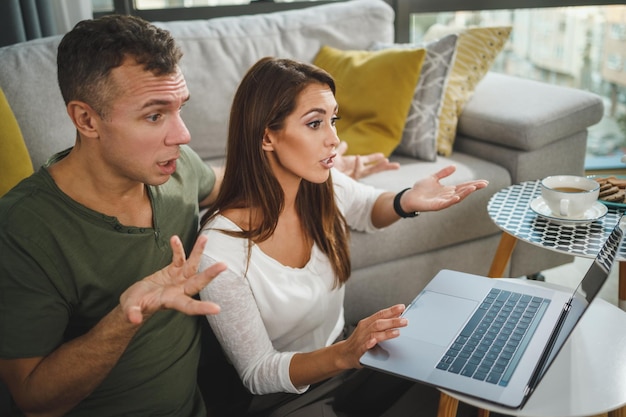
{"type": "Point", "coordinates": [241, 333]}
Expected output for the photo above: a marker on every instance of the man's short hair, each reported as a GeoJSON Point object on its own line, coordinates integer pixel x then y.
{"type": "Point", "coordinates": [88, 53]}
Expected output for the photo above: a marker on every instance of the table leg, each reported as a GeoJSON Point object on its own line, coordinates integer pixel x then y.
{"type": "Point", "coordinates": [482, 413]}
{"type": "Point", "coordinates": [447, 405]}
{"type": "Point", "coordinates": [503, 255]}
{"type": "Point", "coordinates": [622, 286]}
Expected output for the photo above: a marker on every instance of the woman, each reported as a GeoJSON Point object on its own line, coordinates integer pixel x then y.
{"type": "Point", "coordinates": [281, 224]}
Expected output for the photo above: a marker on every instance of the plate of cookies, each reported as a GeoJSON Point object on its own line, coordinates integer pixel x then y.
{"type": "Point", "coordinates": [612, 190]}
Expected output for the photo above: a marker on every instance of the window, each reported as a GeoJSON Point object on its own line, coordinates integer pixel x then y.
{"type": "Point", "coordinates": [102, 5]}
{"type": "Point", "coordinates": [617, 31]}
{"type": "Point", "coordinates": [164, 4]}
{"type": "Point", "coordinates": [582, 47]}
{"type": "Point", "coordinates": [614, 62]}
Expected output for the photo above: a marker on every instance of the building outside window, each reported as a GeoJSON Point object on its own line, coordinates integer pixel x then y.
{"type": "Point", "coordinates": [579, 47]}
{"type": "Point", "coordinates": [102, 5]}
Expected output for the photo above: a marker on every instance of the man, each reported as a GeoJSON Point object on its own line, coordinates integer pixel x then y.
{"type": "Point", "coordinates": [97, 308]}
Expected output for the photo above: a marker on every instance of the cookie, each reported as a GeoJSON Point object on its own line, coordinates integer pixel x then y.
{"type": "Point", "coordinates": [617, 197]}
{"type": "Point", "coordinates": [605, 186]}
{"type": "Point", "coordinates": [612, 190]}
{"type": "Point", "coordinates": [621, 183]}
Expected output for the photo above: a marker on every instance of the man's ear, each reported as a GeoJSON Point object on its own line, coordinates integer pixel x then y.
{"type": "Point", "coordinates": [268, 140]}
{"type": "Point", "coordinates": [84, 118]}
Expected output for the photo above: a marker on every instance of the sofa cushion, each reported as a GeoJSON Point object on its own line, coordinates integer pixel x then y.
{"type": "Point", "coordinates": [374, 92]}
{"type": "Point", "coordinates": [530, 116]}
{"type": "Point", "coordinates": [14, 159]}
{"type": "Point", "coordinates": [419, 138]}
{"type": "Point", "coordinates": [477, 49]}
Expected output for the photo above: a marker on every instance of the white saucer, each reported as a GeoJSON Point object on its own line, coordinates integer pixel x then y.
{"type": "Point", "coordinates": [597, 211]}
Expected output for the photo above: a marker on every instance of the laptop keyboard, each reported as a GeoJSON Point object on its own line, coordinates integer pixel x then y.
{"type": "Point", "coordinates": [492, 342]}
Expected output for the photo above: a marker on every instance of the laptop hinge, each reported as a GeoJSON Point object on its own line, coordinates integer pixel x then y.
{"type": "Point", "coordinates": [527, 391]}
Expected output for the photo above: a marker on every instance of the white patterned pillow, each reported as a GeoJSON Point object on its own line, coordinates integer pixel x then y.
{"type": "Point", "coordinates": [419, 138]}
{"type": "Point", "coordinates": [476, 50]}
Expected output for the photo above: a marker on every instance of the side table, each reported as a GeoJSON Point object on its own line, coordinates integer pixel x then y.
{"type": "Point", "coordinates": [510, 210]}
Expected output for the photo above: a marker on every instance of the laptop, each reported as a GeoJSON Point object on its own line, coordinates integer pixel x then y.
{"type": "Point", "coordinates": [488, 338]}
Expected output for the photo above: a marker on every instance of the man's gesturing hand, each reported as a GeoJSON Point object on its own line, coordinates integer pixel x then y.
{"type": "Point", "coordinates": [172, 287]}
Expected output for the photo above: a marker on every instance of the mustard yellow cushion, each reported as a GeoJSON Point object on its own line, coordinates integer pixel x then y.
{"type": "Point", "coordinates": [374, 92]}
{"type": "Point", "coordinates": [477, 49]}
{"type": "Point", "coordinates": [15, 163]}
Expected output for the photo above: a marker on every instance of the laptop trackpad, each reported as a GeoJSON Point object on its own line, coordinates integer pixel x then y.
{"type": "Point", "coordinates": [436, 318]}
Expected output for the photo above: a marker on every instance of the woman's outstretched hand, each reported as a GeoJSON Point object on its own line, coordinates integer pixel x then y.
{"type": "Point", "coordinates": [429, 194]}
{"type": "Point", "coordinates": [172, 287]}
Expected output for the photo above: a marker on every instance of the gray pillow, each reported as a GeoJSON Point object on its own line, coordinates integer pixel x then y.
{"type": "Point", "coordinates": [419, 138]}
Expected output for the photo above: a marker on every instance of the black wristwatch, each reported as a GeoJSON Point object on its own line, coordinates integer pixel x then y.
{"type": "Point", "coordinates": [398, 208]}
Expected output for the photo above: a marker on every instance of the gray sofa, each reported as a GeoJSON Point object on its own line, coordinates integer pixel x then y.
{"type": "Point", "coordinates": [511, 131]}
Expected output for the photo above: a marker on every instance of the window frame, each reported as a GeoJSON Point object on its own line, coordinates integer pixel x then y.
{"type": "Point", "coordinates": [403, 9]}
{"type": "Point", "coordinates": [207, 12]}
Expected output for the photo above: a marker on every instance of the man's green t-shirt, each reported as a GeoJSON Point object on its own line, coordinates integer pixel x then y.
{"type": "Point", "coordinates": [64, 266]}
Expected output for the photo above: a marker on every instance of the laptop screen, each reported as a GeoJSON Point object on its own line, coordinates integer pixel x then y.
{"type": "Point", "coordinates": [586, 291]}
{"type": "Point", "coordinates": [601, 267]}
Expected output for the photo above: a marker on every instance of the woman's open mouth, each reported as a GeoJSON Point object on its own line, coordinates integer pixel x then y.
{"type": "Point", "coordinates": [329, 162]}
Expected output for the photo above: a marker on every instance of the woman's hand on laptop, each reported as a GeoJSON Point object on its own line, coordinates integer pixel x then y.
{"type": "Point", "coordinates": [370, 331]}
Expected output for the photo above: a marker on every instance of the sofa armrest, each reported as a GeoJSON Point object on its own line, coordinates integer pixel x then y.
{"type": "Point", "coordinates": [525, 114]}
{"type": "Point", "coordinates": [533, 129]}
{"type": "Point", "coordinates": [564, 156]}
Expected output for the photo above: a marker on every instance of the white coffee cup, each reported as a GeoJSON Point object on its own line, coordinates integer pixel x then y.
{"type": "Point", "coordinates": [569, 196]}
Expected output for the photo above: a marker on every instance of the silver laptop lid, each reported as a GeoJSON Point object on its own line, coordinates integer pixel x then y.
{"type": "Point", "coordinates": [584, 293]}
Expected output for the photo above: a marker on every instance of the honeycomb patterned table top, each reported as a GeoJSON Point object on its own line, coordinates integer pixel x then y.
{"type": "Point", "coordinates": [510, 210]}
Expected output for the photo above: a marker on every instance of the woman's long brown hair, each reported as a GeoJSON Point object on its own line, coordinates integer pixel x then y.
{"type": "Point", "coordinates": [265, 97]}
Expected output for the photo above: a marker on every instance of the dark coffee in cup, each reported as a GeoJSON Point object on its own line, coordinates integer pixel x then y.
{"type": "Point", "coordinates": [569, 189]}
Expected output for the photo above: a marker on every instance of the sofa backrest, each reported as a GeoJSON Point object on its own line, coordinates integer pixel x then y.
{"type": "Point", "coordinates": [217, 53]}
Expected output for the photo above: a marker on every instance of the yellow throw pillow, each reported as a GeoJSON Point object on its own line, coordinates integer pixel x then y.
{"type": "Point", "coordinates": [476, 50]}
{"type": "Point", "coordinates": [15, 163]}
{"type": "Point", "coordinates": [374, 92]}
